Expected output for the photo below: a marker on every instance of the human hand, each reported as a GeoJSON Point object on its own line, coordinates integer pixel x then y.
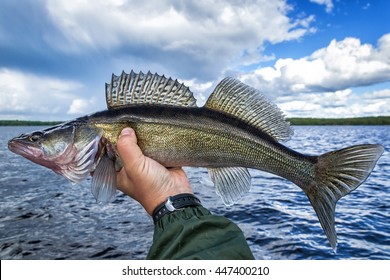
{"type": "Point", "coordinates": [143, 178]}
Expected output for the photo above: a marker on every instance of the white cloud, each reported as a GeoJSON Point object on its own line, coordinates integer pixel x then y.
{"type": "Point", "coordinates": [196, 33]}
{"type": "Point", "coordinates": [176, 24]}
{"type": "Point", "coordinates": [343, 103]}
{"type": "Point", "coordinates": [328, 4]}
{"type": "Point", "coordinates": [81, 106]}
{"type": "Point", "coordinates": [341, 65]}
{"type": "Point", "coordinates": [28, 95]}
{"type": "Point", "coordinates": [199, 89]}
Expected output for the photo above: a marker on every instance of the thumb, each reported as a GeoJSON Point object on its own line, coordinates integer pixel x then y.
{"type": "Point", "coordinates": [131, 155]}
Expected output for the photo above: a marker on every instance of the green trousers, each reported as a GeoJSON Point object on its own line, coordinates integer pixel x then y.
{"type": "Point", "coordinates": [194, 233]}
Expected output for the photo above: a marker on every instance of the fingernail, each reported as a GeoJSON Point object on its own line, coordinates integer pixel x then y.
{"type": "Point", "coordinates": [126, 132]}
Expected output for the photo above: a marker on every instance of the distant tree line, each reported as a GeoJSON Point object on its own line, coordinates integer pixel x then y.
{"type": "Point", "coordinates": [26, 123]}
{"type": "Point", "coordinates": [383, 120]}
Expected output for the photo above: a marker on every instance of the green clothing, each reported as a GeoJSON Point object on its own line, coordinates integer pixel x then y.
{"type": "Point", "coordinates": [194, 233]}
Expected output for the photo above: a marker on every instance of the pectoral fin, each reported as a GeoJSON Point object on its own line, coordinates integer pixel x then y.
{"type": "Point", "coordinates": [231, 183]}
{"type": "Point", "coordinates": [104, 180]}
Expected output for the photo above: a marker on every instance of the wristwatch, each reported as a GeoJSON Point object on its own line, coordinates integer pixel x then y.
{"type": "Point", "coordinates": [174, 203]}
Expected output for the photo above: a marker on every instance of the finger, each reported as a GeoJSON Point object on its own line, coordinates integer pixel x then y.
{"type": "Point", "coordinates": [131, 155]}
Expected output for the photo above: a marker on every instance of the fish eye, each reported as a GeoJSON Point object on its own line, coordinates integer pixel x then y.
{"type": "Point", "coordinates": [35, 136]}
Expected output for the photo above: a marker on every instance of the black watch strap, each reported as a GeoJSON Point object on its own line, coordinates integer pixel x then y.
{"type": "Point", "coordinates": [174, 203]}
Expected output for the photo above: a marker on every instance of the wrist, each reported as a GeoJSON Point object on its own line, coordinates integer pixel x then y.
{"type": "Point", "coordinates": [152, 201]}
{"type": "Point", "coordinates": [174, 203]}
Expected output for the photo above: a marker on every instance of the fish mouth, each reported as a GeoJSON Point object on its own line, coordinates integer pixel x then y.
{"type": "Point", "coordinates": [24, 150]}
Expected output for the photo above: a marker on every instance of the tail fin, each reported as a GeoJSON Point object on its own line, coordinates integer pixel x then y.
{"type": "Point", "coordinates": [337, 174]}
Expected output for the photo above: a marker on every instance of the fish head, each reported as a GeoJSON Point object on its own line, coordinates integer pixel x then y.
{"type": "Point", "coordinates": [43, 147]}
{"type": "Point", "coordinates": [67, 149]}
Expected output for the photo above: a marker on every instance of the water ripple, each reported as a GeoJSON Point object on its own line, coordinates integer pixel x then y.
{"type": "Point", "coordinates": [42, 216]}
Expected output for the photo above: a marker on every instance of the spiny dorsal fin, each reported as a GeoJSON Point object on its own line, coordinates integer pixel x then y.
{"type": "Point", "coordinates": [146, 88]}
{"type": "Point", "coordinates": [246, 103]}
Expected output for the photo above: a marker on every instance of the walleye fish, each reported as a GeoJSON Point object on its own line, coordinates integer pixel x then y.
{"type": "Point", "coordinates": [238, 128]}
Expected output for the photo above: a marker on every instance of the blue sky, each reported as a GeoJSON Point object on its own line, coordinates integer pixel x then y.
{"type": "Point", "coordinates": [314, 58]}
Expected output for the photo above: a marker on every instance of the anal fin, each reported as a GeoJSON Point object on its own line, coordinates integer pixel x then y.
{"type": "Point", "coordinates": [231, 183]}
{"type": "Point", "coordinates": [104, 180]}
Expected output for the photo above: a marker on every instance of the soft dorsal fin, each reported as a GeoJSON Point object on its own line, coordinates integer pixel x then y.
{"type": "Point", "coordinates": [246, 103]}
{"type": "Point", "coordinates": [149, 88]}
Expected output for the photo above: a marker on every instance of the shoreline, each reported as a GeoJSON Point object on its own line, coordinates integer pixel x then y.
{"type": "Point", "coordinates": [381, 120]}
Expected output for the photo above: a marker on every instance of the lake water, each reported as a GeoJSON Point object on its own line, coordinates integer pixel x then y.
{"type": "Point", "coordinates": [43, 216]}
